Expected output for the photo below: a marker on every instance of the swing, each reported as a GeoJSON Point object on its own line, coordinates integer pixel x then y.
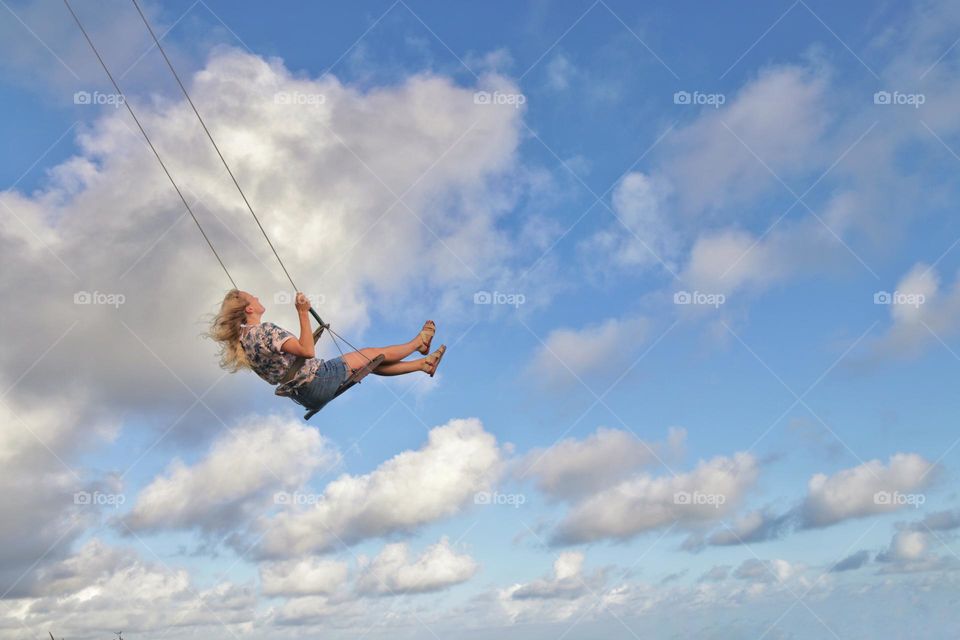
{"type": "Point", "coordinates": [298, 364]}
{"type": "Point", "coordinates": [354, 378]}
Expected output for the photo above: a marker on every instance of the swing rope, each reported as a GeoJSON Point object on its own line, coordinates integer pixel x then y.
{"type": "Point", "coordinates": [149, 143]}
{"type": "Point", "coordinates": [333, 334]}
{"type": "Point", "coordinates": [203, 124]}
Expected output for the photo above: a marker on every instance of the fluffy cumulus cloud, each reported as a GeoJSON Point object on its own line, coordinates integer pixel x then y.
{"type": "Point", "coordinates": [766, 570]}
{"type": "Point", "coordinates": [411, 489]}
{"type": "Point", "coordinates": [303, 577]}
{"type": "Point", "coordinates": [643, 234]}
{"type": "Point", "coordinates": [236, 479]}
{"type": "Point", "coordinates": [568, 355]}
{"type": "Point", "coordinates": [618, 486]}
{"type": "Point", "coordinates": [324, 163]}
{"type": "Point", "coordinates": [103, 587]}
{"type": "Point", "coordinates": [867, 489]}
{"type": "Point", "coordinates": [324, 175]}
{"type": "Point", "coordinates": [572, 594]}
{"type": "Point", "coordinates": [778, 117]}
{"type": "Point", "coordinates": [555, 597]}
{"type": "Point", "coordinates": [694, 212]}
{"type": "Point", "coordinates": [568, 581]}
{"type": "Point", "coordinates": [574, 468]}
{"type": "Point", "coordinates": [922, 545]}
{"type": "Point", "coordinates": [731, 200]}
{"type": "Point", "coordinates": [106, 223]}
{"type": "Point", "coordinates": [729, 260]}
{"type": "Point", "coordinates": [392, 572]}
{"type": "Point", "coordinates": [911, 551]}
{"type": "Point", "coordinates": [907, 545]}
{"type": "Point", "coordinates": [645, 502]}
{"type": "Point", "coordinates": [923, 311]}
{"type": "Point", "coordinates": [39, 480]}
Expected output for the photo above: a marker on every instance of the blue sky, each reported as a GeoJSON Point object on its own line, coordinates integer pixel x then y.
{"type": "Point", "coordinates": [789, 191]}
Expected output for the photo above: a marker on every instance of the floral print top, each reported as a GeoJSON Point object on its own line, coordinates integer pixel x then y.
{"type": "Point", "coordinates": [262, 342]}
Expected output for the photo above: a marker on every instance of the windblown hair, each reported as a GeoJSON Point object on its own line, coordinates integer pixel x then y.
{"type": "Point", "coordinates": [225, 330]}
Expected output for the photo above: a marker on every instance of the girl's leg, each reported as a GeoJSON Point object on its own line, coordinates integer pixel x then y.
{"type": "Point", "coordinates": [427, 364]}
{"type": "Point", "coordinates": [391, 354]}
{"type": "Point", "coordinates": [400, 368]}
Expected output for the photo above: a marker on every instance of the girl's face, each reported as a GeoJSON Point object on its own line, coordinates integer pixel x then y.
{"type": "Point", "coordinates": [253, 303]}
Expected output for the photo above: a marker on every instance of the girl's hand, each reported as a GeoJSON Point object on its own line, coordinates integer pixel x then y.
{"type": "Point", "coordinates": [302, 303]}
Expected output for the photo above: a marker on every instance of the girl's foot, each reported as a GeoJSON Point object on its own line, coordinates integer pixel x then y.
{"type": "Point", "coordinates": [426, 336]}
{"type": "Point", "coordinates": [432, 361]}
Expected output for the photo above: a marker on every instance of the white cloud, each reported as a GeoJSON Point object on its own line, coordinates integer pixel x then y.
{"type": "Point", "coordinates": [922, 312]}
{"type": "Point", "coordinates": [864, 490]}
{"type": "Point", "coordinates": [102, 587]}
{"type": "Point", "coordinates": [910, 552]}
{"type": "Point", "coordinates": [315, 197]}
{"type": "Point", "coordinates": [779, 116]}
{"type": "Point", "coordinates": [392, 572]}
{"type": "Point", "coordinates": [568, 354]}
{"type": "Point", "coordinates": [298, 168]}
{"type": "Point", "coordinates": [568, 581]}
{"type": "Point", "coordinates": [641, 203]}
{"type": "Point", "coordinates": [39, 481]}
{"type": "Point", "coordinates": [315, 172]}
{"type": "Point", "coordinates": [572, 468]}
{"type": "Point", "coordinates": [411, 489]}
{"type": "Point", "coordinates": [239, 475]}
{"type": "Point", "coordinates": [560, 70]}
{"type": "Point", "coordinates": [767, 570]}
{"type": "Point", "coordinates": [302, 577]}
{"type": "Point", "coordinates": [703, 495]}
{"type": "Point", "coordinates": [556, 597]}
{"type": "Point", "coordinates": [907, 545]}
{"type": "Point", "coordinates": [730, 259]}
{"type": "Point", "coordinates": [320, 610]}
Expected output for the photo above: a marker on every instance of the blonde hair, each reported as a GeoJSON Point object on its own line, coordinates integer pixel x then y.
{"type": "Point", "coordinates": [225, 330]}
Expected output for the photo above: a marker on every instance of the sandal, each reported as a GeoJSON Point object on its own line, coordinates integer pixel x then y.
{"type": "Point", "coordinates": [433, 360]}
{"type": "Point", "coordinates": [426, 336]}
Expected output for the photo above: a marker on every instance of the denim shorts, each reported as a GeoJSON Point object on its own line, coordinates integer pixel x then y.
{"type": "Point", "coordinates": [319, 391]}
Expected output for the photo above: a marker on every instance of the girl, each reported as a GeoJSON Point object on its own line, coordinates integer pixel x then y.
{"type": "Point", "coordinates": [246, 342]}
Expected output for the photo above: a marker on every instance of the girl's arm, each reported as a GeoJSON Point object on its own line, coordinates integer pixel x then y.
{"type": "Point", "coordinates": [303, 347]}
